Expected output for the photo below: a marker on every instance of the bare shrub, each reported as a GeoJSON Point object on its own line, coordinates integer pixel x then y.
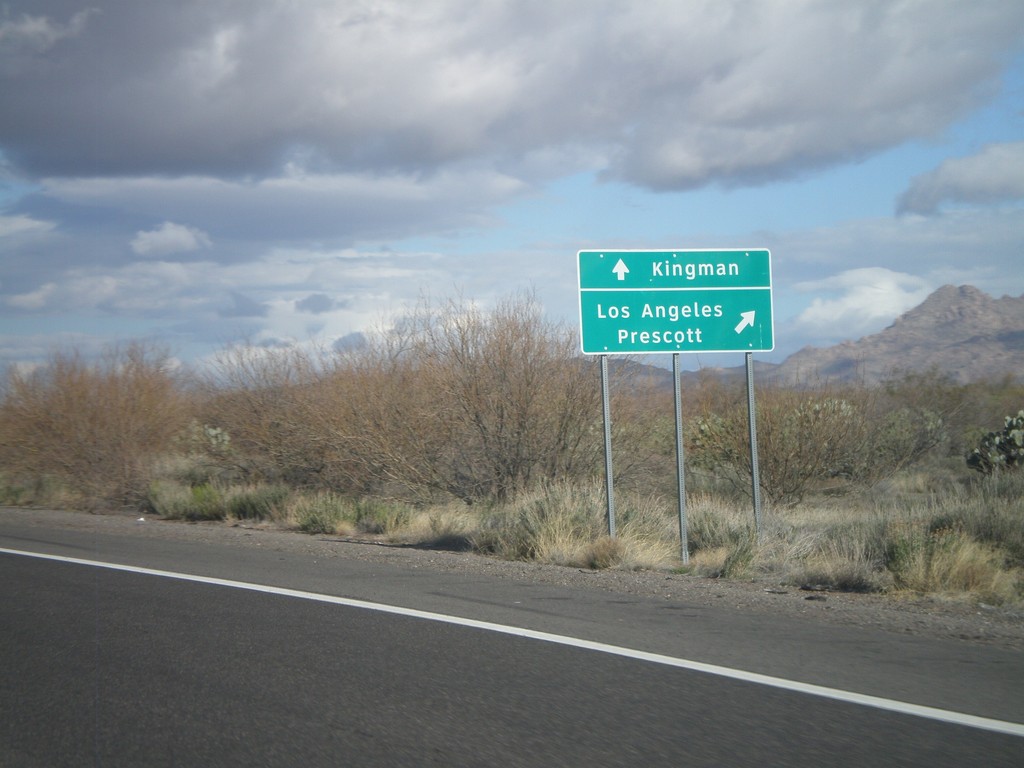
{"type": "Point", "coordinates": [643, 432]}
{"type": "Point", "coordinates": [451, 401]}
{"type": "Point", "coordinates": [266, 402]}
{"type": "Point", "coordinates": [519, 401]}
{"type": "Point", "coordinates": [478, 405]}
{"type": "Point", "coordinates": [387, 418]}
{"type": "Point", "coordinates": [98, 428]}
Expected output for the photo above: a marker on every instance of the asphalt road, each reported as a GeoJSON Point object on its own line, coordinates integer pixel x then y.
{"type": "Point", "coordinates": [116, 668]}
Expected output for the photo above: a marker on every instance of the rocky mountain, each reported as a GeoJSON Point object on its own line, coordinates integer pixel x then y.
{"type": "Point", "coordinates": [959, 331]}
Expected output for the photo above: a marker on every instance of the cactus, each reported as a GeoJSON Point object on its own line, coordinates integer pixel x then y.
{"type": "Point", "coordinates": [1000, 450]}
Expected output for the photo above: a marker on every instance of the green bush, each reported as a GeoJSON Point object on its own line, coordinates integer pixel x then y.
{"type": "Point", "coordinates": [825, 440]}
{"type": "Point", "coordinates": [207, 503]}
{"type": "Point", "coordinates": [176, 502]}
{"type": "Point", "coordinates": [378, 516]}
{"type": "Point", "coordinates": [260, 503]}
{"type": "Point", "coordinates": [1000, 450]}
{"type": "Point", "coordinates": [24, 492]}
{"type": "Point", "coordinates": [804, 439]}
{"type": "Point", "coordinates": [322, 513]}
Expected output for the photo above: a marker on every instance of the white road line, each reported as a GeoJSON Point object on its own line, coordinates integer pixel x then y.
{"type": "Point", "coordinates": [877, 702]}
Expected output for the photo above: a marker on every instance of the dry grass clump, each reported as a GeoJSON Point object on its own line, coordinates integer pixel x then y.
{"type": "Point", "coordinates": [834, 545]}
{"type": "Point", "coordinates": [447, 526]}
{"type": "Point", "coordinates": [180, 502]}
{"type": "Point", "coordinates": [840, 561]}
{"type": "Point", "coordinates": [552, 524]}
{"type": "Point", "coordinates": [333, 513]}
{"type": "Point", "coordinates": [964, 541]}
{"type": "Point", "coordinates": [721, 537]}
{"type": "Point", "coordinates": [213, 502]}
{"type": "Point", "coordinates": [567, 525]}
{"type": "Point", "coordinates": [947, 561]}
{"type": "Point", "coordinates": [648, 532]}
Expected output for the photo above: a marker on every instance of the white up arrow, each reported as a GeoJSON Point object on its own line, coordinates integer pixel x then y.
{"type": "Point", "coordinates": [621, 270]}
{"type": "Point", "coordinates": [748, 319]}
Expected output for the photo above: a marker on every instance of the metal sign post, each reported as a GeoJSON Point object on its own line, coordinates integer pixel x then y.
{"type": "Point", "coordinates": [606, 406]}
{"type": "Point", "coordinates": [684, 546]}
{"type": "Point", "coordinates": [755, 475]}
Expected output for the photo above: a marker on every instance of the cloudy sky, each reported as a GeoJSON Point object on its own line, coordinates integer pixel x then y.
{"type": "Point", "coordinates": [201, 172]}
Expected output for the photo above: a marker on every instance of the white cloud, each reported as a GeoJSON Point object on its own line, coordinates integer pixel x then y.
{"type": "Point", "coordinates": [18, 225]}
{"type": "Point", "coordinates": [144, 288]}
{"type": "Point", "coordinates": [994, 175]}
{"type": "Point", "coordinates": [268, 298]}
{"type": "Point", "coordinates": [169, 238]}
{"type": "Point", "coordinates": [33, 300]}
{"type": "Point", "coordinates": [296, 204]}
{"type": "Point", "coordinates": [979, 246]}
{"type": "Point", "coordinates": [37, 34]}
{"type": "Point", "coordinates": [857, 301]}
{"type": "Point", "coordinates": [316, 304]}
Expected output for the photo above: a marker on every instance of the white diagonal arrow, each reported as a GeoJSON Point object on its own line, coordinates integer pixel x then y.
{"type": "Point", "coordinates": [621, 270]}
{"type": "Point", "coordinates": [748, 319]}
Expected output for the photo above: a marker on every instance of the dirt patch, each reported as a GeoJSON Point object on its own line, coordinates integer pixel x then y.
{"type": "Point", "coordinates": [925, 616]}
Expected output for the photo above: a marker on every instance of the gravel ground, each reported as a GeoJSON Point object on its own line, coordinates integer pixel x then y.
{"type": "Point", "coordinates": [926, 616]}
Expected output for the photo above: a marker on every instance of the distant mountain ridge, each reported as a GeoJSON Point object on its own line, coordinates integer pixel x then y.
{"type": "Point", "coordinates": [958, 330]}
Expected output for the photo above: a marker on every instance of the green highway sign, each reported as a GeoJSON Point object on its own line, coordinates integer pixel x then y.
{"type": "Point", "coordinates": [648, 302]}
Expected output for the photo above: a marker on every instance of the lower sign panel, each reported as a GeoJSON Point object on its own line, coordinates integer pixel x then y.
{"type": "Point", "coordinates": [669, 321]}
